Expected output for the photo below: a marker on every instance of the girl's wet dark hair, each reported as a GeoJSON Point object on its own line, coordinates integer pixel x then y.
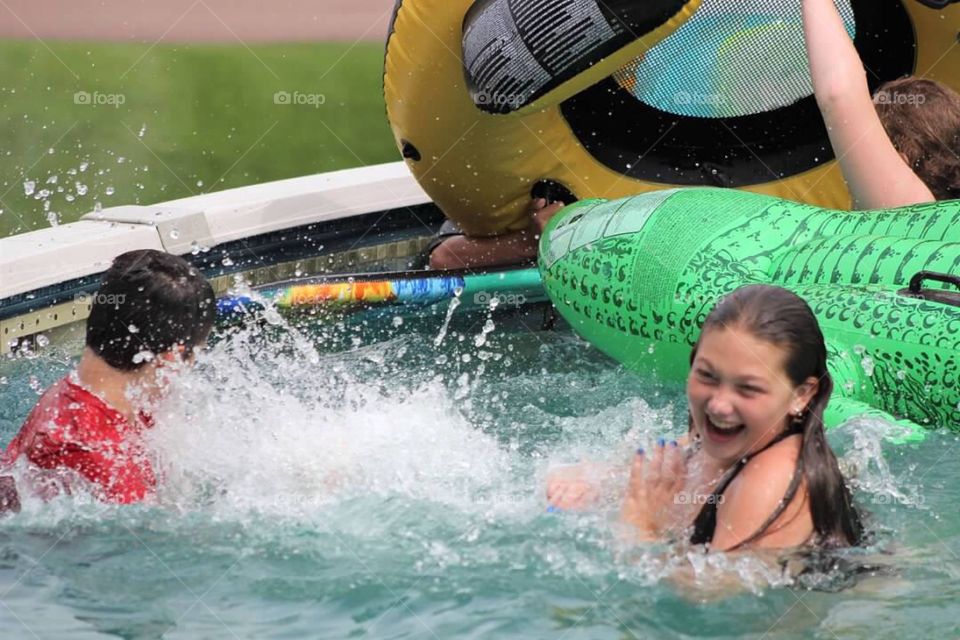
{"type": "Point", "coordinates": [782, 318]}
{"type": "Point", "coordinates": [149, 303]}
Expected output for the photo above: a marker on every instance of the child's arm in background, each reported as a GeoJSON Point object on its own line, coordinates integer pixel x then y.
{"type": "Point", "coordinates": [877, 175]}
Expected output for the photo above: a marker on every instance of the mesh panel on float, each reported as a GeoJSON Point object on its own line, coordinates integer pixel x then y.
{"type": "Point", "coordinates": [730, 59]}
{"type": "Point", "coordinates": [727, 99]}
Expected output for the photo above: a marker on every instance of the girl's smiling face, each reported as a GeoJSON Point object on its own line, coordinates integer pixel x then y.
{"type": "Point", "coordinates": [740, 395]}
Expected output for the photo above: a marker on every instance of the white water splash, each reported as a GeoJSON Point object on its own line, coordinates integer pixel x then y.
{"type": "Point", "coordinates": [282, 430]}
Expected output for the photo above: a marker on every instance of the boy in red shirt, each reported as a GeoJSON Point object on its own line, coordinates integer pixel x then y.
{"type": "Point", "coordinates": [151, 312]}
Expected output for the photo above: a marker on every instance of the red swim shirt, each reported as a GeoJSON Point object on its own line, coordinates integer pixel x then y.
{"type": "Point", "coordinates": [74, 429]}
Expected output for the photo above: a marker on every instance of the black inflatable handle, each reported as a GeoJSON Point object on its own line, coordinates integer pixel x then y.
{"type": "Point", "coordinates": [916, 282]}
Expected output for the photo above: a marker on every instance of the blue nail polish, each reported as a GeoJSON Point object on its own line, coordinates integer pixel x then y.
{"type": "Point", "coordinates": [673, 443]}
{"type": "Point", "coordinates": [553, 509]}
{"type": "Point", "coordinates": [661, 442]}
{"type": "Point", "coordinates": [640, 451]}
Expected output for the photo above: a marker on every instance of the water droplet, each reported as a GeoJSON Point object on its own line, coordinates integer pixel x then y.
{"type": "Point", "coordinates": [465, 357]}
{"type": "Point", "coordinates": [142, 356]}
{"type": "Point", "coordinates": [42, 340]}
{"type": "Point", "coordinates": [174, 234]}
{"type": "Point", "coordinates": [132, 328]}
{"type": "Point", "coordinates": [199, 183]}
{"type": "Point", "coordinates": [81, 188]}
{"type": "Point", "coordinates": [108, 191]}
{"type": "Point", "coordinates": [868, 365]}
{"type": "Point", "coordinates": [397, 321]}
{"type": "Point", "coordinates": [143, 130]}
{"type": "Point", "coordinates": [84, 166]}
{"type": "Point", "coordinates": [227, 262]}
{"type": "Point", "coordinates": [28, 187]}
{"type": "Point", "coordinates": [272, 316]}
{"type": "Point", "coordinates": [194, 248]}
{"type": "Point", "coordinates": [52, 180]}
{"type": "Point", "coordinates": [481, 339]}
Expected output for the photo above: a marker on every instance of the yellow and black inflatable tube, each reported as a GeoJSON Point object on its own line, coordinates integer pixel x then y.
{"type": "Point", "coordinates": [478, 162]}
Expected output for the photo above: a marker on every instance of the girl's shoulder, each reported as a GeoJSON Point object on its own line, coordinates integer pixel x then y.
{"type": "Point", "coordinates": [769, 471]}
{"type": "Point", "coordinates": [757, 493]}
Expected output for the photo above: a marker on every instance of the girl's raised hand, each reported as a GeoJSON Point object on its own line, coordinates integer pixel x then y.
{"type": "Point", "coordinates": [656, 479]}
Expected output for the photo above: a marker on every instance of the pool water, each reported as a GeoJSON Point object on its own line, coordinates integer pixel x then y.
{"type": "Point", "coordinates": [381, 476]}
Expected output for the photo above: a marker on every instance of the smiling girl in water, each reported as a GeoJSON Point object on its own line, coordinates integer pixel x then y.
{"type": "Point", "coordinates": [756, 469]}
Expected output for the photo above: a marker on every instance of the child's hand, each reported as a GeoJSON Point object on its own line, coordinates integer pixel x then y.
{"type": "Point", "coordinates": [572, 488]}
{"type": "Point", "coordinates": [541, 212]}
{"type": "Point", "coordinates": [656, 478]}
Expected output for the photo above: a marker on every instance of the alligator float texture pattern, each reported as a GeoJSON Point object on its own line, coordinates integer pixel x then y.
{"type": "Point", "coordinates": [638, 276]}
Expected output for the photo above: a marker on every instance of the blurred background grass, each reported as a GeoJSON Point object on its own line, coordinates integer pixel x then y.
{"type": "Point", "coordinates": [193, 118]}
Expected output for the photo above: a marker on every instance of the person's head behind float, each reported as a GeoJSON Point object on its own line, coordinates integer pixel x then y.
{"type": "Point", "coordinates": [758, 371]}
{"type": "Point", "coordinates": [152, 308]}
{"type": "Point", "coordinates": [922, 120]}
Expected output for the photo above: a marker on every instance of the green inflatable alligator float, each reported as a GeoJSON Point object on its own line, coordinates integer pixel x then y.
{"type": "Point", "coordinates": [636, 277]}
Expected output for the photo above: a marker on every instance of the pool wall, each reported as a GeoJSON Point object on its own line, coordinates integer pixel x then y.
{"type": "Point", "coordinates": [47, 276]}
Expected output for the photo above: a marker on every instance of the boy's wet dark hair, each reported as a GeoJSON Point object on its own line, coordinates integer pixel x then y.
{"type": "Point", "coordinates": [922, 119]}
{"type": "Point", "coordinates": [149, 303]}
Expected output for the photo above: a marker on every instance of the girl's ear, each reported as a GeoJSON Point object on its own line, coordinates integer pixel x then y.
{"type": "Point", "coordinates": [804, 393]}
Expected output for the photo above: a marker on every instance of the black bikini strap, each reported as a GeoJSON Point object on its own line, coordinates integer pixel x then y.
{"type": "Point", "coordinates": [706, 522]}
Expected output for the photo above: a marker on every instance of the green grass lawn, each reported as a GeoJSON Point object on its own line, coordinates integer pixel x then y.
{"type": "Point", "coordinates": [115, 124]}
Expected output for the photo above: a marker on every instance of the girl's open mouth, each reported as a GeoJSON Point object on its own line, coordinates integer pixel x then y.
{"type": "Point", "coordinates": [721, 435]}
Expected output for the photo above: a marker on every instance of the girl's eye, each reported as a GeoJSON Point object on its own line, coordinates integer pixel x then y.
{"type": "Point", "coordinates": [705, 375]}
{"type": "Point", "coordinates": [750, 391]}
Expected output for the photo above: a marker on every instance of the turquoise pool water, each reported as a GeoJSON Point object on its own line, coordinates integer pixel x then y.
{"type": "Point", "coordinates": [382, 477]}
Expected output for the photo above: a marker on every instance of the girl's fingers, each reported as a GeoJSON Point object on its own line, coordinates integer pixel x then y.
{"type": "Point", "coordinates": [673, 466]}
{"type": "Point", "coordinates": [569, 496]}
{"type": "Point", "coordinates": [654, 469]}
{"type": "Point", "coordinates": [573, 496]}
{"type": "Point", "coordinates": [636, 466]}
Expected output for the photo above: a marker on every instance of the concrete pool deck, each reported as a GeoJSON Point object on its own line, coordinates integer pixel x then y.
{"type": "Point", "coordinates": [196, 20]}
